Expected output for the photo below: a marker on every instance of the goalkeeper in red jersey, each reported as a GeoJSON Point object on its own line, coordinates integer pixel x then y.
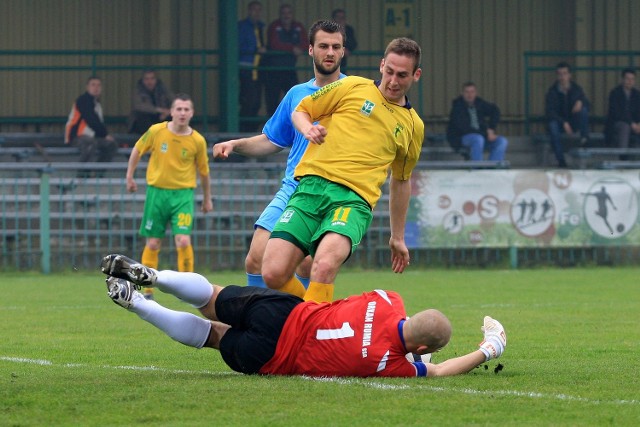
{"type": "Point", "coordinates": [264, 331]}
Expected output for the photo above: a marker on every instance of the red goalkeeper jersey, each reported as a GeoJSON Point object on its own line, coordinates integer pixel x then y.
{"type": "Point", "coordinates": [359, 336]}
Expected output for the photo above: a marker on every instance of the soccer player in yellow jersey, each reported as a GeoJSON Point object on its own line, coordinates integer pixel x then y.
{"type": "Point", "coordinates": [362, 129]}
{"type": "Point", "coordinates": [178, 152]}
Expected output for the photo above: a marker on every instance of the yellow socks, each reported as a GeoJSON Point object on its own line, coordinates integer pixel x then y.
{"type": "Point", "coordinates": [319, 292]}
{"type": "Point", "coordinates": [185, 258]}
{"type": "Point", "coordinates": [293, 287]}
{"type": "Point", "coordinates": [150, 259]}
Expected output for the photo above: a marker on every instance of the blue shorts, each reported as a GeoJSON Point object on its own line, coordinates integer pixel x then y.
{"type": "Point", "coordinates": [272, 212]}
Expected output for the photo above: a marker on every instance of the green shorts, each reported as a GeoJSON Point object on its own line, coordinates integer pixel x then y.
{"type": "Point", "coordinates": [319, 206]}
{"type": "Point", "coordinates": [163, 206]}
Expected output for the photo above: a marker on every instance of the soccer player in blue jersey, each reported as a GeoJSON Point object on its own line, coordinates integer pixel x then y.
{"type": "Point", "coordinates": [326, 47]}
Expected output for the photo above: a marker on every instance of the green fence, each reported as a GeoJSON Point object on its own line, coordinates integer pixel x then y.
{"type": "Point", "coordinates": [53, 221]}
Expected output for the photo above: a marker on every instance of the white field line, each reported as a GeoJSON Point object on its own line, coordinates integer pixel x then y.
{"type": "Point", "coordinates": [42, 362]}
{"type": "Point", "coordinates": [348, 382]}
{"type": "Point", "coordinates": [515, 393]}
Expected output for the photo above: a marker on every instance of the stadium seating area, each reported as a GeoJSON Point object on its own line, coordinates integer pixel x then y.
{"type": "Point", "coordinates": [88, 214]}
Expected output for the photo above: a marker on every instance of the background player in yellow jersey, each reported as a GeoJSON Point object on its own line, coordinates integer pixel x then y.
{"type": "Point", "coordinates": [364, 129]}
{"type": "Point", "coordinates": [178, 152]}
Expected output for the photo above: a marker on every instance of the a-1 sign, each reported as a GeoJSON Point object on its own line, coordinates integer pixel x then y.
{"type": "Point", "coordinates": [398, 19]}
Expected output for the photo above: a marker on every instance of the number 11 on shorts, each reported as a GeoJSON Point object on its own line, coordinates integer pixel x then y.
{"type": "Point", "coordinates": [341, 214]}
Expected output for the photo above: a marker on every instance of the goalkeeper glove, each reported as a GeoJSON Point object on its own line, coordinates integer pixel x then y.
{"type": "Point", "coordinates": [495, 339]}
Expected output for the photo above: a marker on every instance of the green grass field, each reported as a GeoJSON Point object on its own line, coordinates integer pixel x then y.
{"type": "Point", "coordinates": [69, 356]}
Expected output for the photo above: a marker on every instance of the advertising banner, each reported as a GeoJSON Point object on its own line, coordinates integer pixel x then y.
{"type": "Point", "coordinates": [523, 208]}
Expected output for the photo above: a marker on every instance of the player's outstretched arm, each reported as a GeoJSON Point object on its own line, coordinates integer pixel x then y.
{"type": "Point", "coordinates": [494, 343]}
{"type": "Point", "coordinates": [255, 146]}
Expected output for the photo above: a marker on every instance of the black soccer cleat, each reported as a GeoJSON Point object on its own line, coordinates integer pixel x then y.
{"type": "Point", "coordinates": [126, 268]}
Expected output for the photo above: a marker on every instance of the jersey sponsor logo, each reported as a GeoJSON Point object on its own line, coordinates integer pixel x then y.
{"type": "Point", "coordinates": [184, 153]}
{"type": "Point", "coordinates": [286, 216]}
{"type": "Point", "coordinates": [148, 225]}
{"type": "Point", "coordinates": [367, 108]}
{"type": "Point", "coordinates": [391, 110]}
{"type": "Point", "coordinates": [164, 147]}
{"type": "Point", "coordinates": [368, 327]}
{"type": "Point", "coordinates": [325, 89]}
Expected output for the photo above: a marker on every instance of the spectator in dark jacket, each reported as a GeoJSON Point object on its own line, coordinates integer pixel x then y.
{"type": "Point", "coordinates": [151, 103]}
{"type": "Point", "coordinates": [85, 127]}
{"type": "Point", "coordinates": [623, 119]}
{"type": "Point", "coordinates": [472, 124]}
{"type": "Point", "coordinates": [350, 43]}
{"type": "Point", "coordinates": [286, 40]}
{"type": "Point", "coordinates": [252, 45]}
{"type": "Point", "coordinates": [566, 110]}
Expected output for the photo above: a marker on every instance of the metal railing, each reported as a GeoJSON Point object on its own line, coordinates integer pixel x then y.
{"type": "Point", "coordinates": [210, 79]}
{"type": "Point", "coordinates": [54, 221]}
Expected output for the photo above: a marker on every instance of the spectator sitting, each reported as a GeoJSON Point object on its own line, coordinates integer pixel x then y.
{"type": "Point", "coordinates": [472, 124]}
{"type": "Point", "coordinates": [85, 127]}
{"type": "Point", "coordinates": [566, 110]}
{"type": "Point", "coordinates": [151, 103]}
{"type": "Point", "coordinates": [623, 119]}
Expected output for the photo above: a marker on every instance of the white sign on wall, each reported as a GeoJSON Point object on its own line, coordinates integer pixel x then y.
{"type": "Point", "coordinates": [526, 208]}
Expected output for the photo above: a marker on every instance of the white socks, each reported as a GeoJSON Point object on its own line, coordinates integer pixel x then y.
{"type": "Point", "coordinates": [186, 328]}
{"type": "Point", "coordinates": [192, 288]}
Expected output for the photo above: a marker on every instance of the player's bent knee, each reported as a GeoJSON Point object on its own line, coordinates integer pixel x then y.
{"type": "Point", "coordinates": [182, 240]}
{"type": "Point", "coordinates": [324, 270]}
{"type": "Point", "coordinates": [274, 280]}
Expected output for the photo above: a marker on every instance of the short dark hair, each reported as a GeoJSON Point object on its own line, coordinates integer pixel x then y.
{"type": "Point", "coordinates": [468, 84]}
{"type": "Point", "coordinates": [182, 97]}
{"type": "Point", "coordinates": [563, 64]}
{"type": "Point", "coordinates": [330, 27]}
{"type": "Point", "coordinates": [93, 77]}
{"type": "Point", "coordinates": [628, 71]}
{"type": "Point", "coordinates": [406, 47]}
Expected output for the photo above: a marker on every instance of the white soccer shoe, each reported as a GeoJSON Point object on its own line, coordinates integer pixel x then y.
{"type": "Point", "coordinates": [121, 291]}
{"type": "Point", "coordinates": [495, 338]}
{"type": "Point", "coordinates": [415, 357]}
{"type": "Point", "coordinates": [129, 269]}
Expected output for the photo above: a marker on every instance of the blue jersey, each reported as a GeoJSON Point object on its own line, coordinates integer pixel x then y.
{"type": "Point", "coordinates": [281, 132]}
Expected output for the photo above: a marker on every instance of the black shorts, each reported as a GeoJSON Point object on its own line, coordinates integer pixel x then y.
{"type": "Point", "coordinates": [256, 316]}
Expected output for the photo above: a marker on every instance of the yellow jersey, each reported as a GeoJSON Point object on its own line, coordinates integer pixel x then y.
{"type": "Point", "coordinates": [366, 136]}
{"type": "Point", "coordinates": [175, 159]}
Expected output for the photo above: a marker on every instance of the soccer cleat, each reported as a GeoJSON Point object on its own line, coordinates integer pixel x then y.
{"type": "Point", "coordinates": [495, 338]}
{"type": "Point", "coordinates": [121, 291]}
{"type": "Point", "coordinates": [128, 269]}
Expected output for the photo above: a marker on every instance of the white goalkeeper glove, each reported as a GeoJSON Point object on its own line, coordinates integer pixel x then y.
{"type": "Point", "coordinates": [495, 339]}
